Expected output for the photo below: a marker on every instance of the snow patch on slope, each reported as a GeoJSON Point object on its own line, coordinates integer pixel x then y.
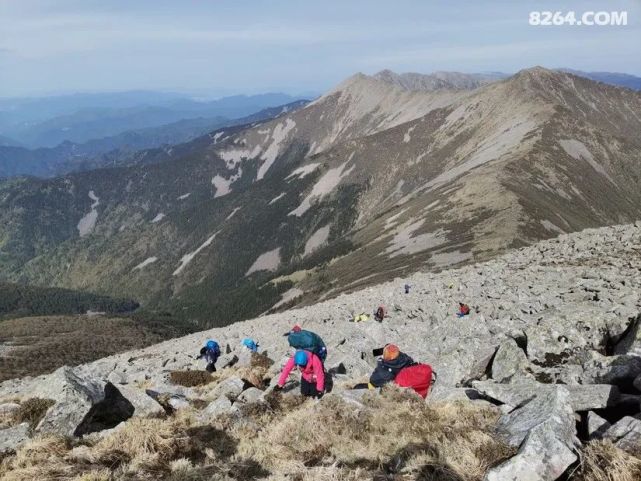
{"type": "Point", "coordinates": [233, 157]}
{"type": "Point", "coordinates": [88, 221]}
{"type": "Point", "coordinates": [187, 258]}
{"type": "Point", "coordinates": [145, 263]}
{"type": "Point", "coordinates": [287, 296]}
{"type": "Point", "coordinates": [303, 171]}
{"type": "Point", "coordinates": [268, 261]}
{"type": "Point", "coordinates": [277, 198]}
{"type": "Point", "coordinates": [158, 218]}
{"type": "Point", "coordinates": [579, 151]}
{"type": "Point", "coordinates": [405, 242]}
{"type": "Point", "coordinates": [184, 196]}
{"type": "Point", "coordinates": [324, 186]}
{"type": "Point", "coordinates": [318, 239]}
{"type": "Point", "coordinates": [278, 136]}
{"type": "Point", "coordinates": [222, 185]}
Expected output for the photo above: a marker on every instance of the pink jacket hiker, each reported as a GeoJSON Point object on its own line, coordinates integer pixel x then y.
{"type": "Point", "coordinates": [313, 371]}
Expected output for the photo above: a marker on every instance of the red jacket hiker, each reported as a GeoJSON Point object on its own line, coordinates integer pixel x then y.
{"type": "Point", "coordinates": [312, 372]}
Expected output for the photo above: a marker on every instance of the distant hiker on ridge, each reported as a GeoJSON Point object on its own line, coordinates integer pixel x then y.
{"type": "Point", "coordinates": [211, 352]}
{"type": "Point", "coordinates": [312, 381]}
{"type": "Point", "coordinates": [299, 338]}
{"type": "Point", "coordinates": [463, 310]}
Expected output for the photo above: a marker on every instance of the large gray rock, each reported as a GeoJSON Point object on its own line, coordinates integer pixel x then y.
{"type": "Point", "coordinates": [443, 393]}
{"type": "Point", "coordinates": [83, 404]}
{"type": "Point", "coordinates": [509, 361]}
{"type": "Point", "coordinates": [544, 430]}
{"type": "Point", "coordinates": [144, 405]}
{"type": "Point", "coordinates": [582, 397]}
{"type": "Point", "coordinates": [220, 406]}
{"type": "Point", "coordinates": [626, 434]}
{"type": "Point", "coordinates": [7, 409]}
{"type": "Point", "coordinates": [631, 343]}
{"type": "Point", "coordinates": [251, 395]}
{"type": "Point", "coordinates": [12, 438]}
{"type": "Point", "coordinates": [620, 370]}
{"type": "Point", "coordinates": [596, 425]}
{"type": "Point", "coordinates": [229, 388]}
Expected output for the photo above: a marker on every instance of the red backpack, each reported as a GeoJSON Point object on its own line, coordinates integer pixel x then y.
{"type": "Point", "coordinates": [418, 377]}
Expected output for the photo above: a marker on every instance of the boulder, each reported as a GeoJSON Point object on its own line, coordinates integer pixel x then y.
{"type": "Point", "coordinates": [582, 397]}
{"type": "Point", "coordinates": [244, 358]}
{"type": "Point", "coordinates": [544, 430]}
{"type": "Point", "coordinates": [144, 405]}
{"type": "Point", "coordinates": [596, 425]}
{"type": "Point", "coordinates": [625, 434]}
{"type": "Point", "coordinates": [631, 342]}
{"type": "Point", "coordinates": [619, 370]}
{"type": "Point", "coordinates": [83, 404]}
{"type": "Point", "coordinates": [226, 360]}
{"type": "Point", "coordinates": [509, 361]}
{"type": "Point", "coordinates": [11, 438]}
{"type": "Point", "coordinates": [442, 393]}
{"type": "Point", "coordinates": [222, 405]}
{"type": "Point", "coordinates": [229, 388]}
{"type": "Point", "coordinates": [7, 409]}
{"type": "Point", "coordinates": [178, 403]}
{"type": "Point", "coordinates": [251, 395]}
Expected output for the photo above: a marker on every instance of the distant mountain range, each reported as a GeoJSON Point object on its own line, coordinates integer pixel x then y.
{"type": "Point", "coordinates": [79, 118]}
{"type": "Point", "coordinates": [382, 176]}
{"type": "Point", "coordinates": [115, 150]}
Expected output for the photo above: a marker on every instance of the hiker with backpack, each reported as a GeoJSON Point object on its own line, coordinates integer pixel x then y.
{"type": "Point", "coordinates": [302, 339]}
{"type": "Point", "coordinates": [250, 344]}
{"type": "Point", "coordinates": [210, 352]}
{"type": "Point", "coordinates": [312, 381]}
{"type": "Point", "coordinates": [396, 366]}
{"type": "Point", "coordinates": [380, 314]}
{"type": "Point", "coordinates": [463, 310]}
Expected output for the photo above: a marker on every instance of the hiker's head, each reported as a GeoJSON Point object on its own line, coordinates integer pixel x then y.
{"type": "Point", "coordinates": [211, 344]}
{"type": "Point", "coordinates": [390, 352]}
{"type": "Point", "coordinates": [296, 328]}
{"type": "Point", "coordinates": [300, 358]}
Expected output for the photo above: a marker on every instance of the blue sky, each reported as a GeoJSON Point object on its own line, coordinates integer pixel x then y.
{"type": "Point", "coordinates": [219, 47]}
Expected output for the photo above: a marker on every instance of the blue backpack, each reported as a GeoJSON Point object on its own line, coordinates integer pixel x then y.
{"type": "Point", "coordinates": [308, 341]}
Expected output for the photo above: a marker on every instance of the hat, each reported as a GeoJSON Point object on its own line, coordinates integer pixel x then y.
{"type": "Point", "coordinates": [296, 328]}
{"type": "Point", "coordinates": [390, 352]}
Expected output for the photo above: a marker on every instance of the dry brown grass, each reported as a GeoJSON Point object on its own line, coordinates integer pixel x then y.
{"type": "Point", "coordinates": [603, 461]}
{"type": "Point", "coordinates": [398, 436]}
{"type": "Point", "coordinates": [32, 411]}
{"type": "Point", "coordinates": [190, 378]}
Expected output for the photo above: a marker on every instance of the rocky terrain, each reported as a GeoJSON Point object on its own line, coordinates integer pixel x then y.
{"type": "Point", "coordinates": [542, 381]}
{"type": "Point", "coordinates": [382, 176]}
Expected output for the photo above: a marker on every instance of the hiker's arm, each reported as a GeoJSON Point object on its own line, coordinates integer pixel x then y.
{"type": "Point", "coordinates": [286, 370]}
{"type": "Point", "coordinates": [320, 373]}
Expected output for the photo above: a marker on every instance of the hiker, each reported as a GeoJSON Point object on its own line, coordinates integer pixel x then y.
{"type": "Point", "coordinates": [250, 344]}
{"type": "Point", "coordinates": [407, 288]}
{"type": "Point", "coordinates": [210, 352]}
{"type": "Point", "coordinates": [299, 338]}
{"type": "Point", "coordinates": [400, 368]}
{"type": "Point", "coordinates": [380, 314]}
{"type": "Point", "coordinates": [463, 310]}
{"type": "Point", "coordinates": [389, 365]}
{"type": "Point", "coordinates": [312, 381]}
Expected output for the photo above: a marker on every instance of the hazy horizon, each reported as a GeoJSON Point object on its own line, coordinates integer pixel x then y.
{"type": "Point", "coordinates": [216, 49]}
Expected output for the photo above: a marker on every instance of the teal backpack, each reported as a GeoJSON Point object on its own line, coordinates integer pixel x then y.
{"type": "Point", "coordinates": [308, 341]}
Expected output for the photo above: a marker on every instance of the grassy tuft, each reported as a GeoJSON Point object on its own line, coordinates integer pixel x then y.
{"type": "Point", "coordinates": [32, 411]}
{"type": "Point", "coordinates": [190, 378]}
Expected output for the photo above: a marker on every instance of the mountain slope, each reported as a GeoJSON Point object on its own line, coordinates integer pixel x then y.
{"type": "Point", "coordinates": [370, 181]}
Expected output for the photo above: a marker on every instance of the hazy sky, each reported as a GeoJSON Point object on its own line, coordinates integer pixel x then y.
{"type": "Point", "coordinates": [217, 47]}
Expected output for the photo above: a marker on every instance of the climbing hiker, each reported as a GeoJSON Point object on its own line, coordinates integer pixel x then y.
{"type": "Point", "coordinates": [389, 365]}
{"type": "Point", "coordinates": [463, 310]}
{"type": "Point", "coordinates": [380, 314]}
{"type": "Point", "coordinates": [250, 344]}
{"type": "Point", "coordinates": [210, 352]}
{"type": "Point", "coordinates": [400, 368]}
{"type": "Point", "coordinates": [407, 288]}
{"type": "Point", "coordinates": [312, 381]}
{"type": "Point", "coordinates": [299, 338]}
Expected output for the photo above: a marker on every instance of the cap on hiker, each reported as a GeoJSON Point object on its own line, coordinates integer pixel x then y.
{"type": "Point", "coordinates": [250, 344]}
{"type": "Point", "coordinates": [211, 344]}
{"type": "Point", "coordinates": [300, 358]}
{"type": "Point", "coordinates": [390, 352]}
